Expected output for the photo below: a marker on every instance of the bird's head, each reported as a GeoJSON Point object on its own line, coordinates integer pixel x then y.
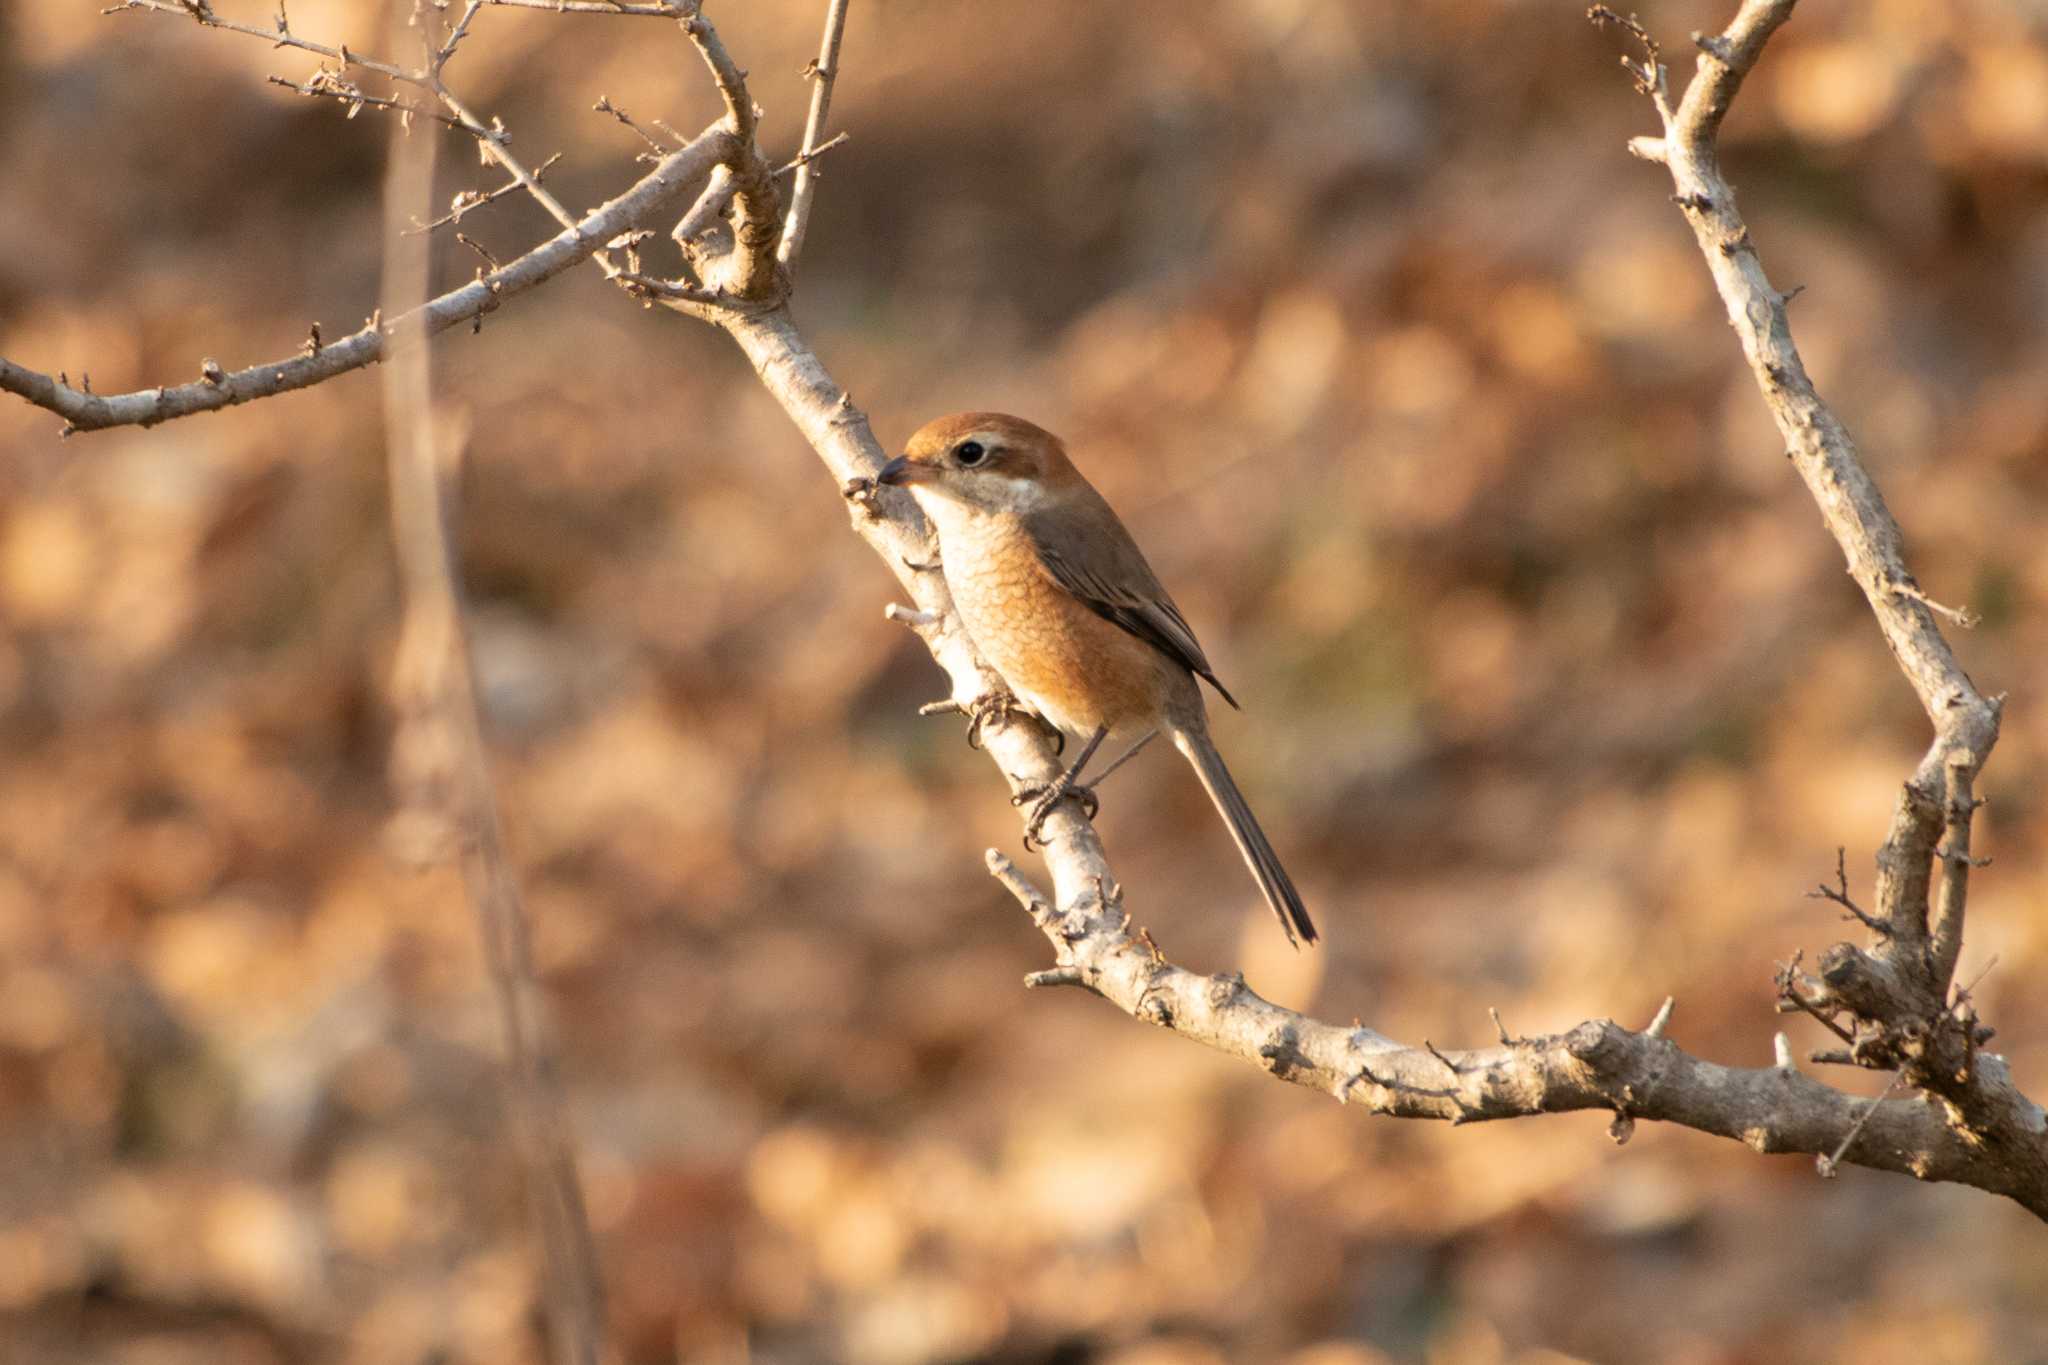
{"type": "Point", "coordinates": [984, 460]}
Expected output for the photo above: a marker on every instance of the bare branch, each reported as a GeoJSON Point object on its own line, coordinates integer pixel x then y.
{"type": "Point", "coordinates": [749, 269]}
{"type": "Point", "coordinates": [802, 159]}
{"type": "Point", "coordinates": [439, 752]}
{"type": "Point", "coordinates": [325, 83]}
{"type": "Point", "coordinates": [605, 106]}
{"type": "Point", "coordinates": [822, 72]}
{"type": "Point", "coordinates": [495, 143]}
{"type": "Point", "coordinates": [476, 199]}
{"type": "Point", "coordinates": [280, 36]}
{"type": "Point", "coordinates": [657, 9]}
{"type": "Point", "coordinates": [1894, 994]}
{"type": "Point", "coordinates": [654, 193]}
{"type": "Point", "coordinates": [1947, 938]}
{"type": "Point", "coordinates": [455, 36]}
{"type": "Point", "coordinates": [741, 115]}
{"type": "Point", "coordinates": [1597, 1065]}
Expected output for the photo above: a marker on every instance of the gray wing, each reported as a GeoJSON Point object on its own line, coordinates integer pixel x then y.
{"type": "Point", "coordinates": [1108, 573]}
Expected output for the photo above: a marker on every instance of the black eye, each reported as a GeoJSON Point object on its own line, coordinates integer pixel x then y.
{"type": "Point", "coordinates": [970, 453]}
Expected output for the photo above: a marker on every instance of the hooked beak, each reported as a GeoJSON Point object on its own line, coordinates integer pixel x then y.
{"type": "Point", "coordinates": [901, 471]}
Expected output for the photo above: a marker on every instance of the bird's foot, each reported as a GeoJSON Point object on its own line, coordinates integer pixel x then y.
{"type": "Point", "coordinates": [989, 706]}
{"type": "Point", "coordinates": [1042, 799]}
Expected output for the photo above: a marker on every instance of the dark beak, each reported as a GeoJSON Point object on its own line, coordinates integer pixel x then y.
{"type": "Point", "coordinates": [898, 471]}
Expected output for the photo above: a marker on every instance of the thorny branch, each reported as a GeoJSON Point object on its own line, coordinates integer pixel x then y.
{"type": "Point", "coordinates": [1891, 1003]}
{"type": "Point", "coordinates": [823, 71]}
{"type": "Point", "coordinates": [1894, 993]}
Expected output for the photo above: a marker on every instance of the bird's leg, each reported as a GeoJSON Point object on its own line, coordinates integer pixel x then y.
{"type": "Point", "coordinates": [1123, 758]}
{"type": "Point", "coordinates": [1044, 798]}
{"type": "Point", "coordinates": [979, 712]}
{"type": "Point", "coordinates": [1068, 784]}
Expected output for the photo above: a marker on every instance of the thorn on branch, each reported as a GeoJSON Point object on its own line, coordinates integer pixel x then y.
{"type": "Point", "coordinates": [1962, 616]}
{"type": "Point", "coordinates": [1663, 1017]}
{"type": "Point", "coordinates": [313, 342]}
{"type": "Point", "coordinates": [1963, 992]}
{"type": "Point", "coordinates": [1827, 1165]}
{"type": "Point", "coordinates": [909, 616]}
{"type": "Point", "coordinates": [1506, 1040]}
{"type": "Point", "coordinates": [480, 250]}
{"type": "Point", "coordinates": [860, 491]}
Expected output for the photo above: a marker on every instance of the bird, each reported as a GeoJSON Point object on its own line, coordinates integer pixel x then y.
{"type": "Point", "coordinates": [1060, 602]}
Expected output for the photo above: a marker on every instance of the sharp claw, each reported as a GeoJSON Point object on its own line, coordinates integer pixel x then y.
{"type": "Point", "coordinates": [1046, 800]}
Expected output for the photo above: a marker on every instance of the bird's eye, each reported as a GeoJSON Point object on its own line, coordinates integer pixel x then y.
{"type": "Point", "coordinates": [970, 453]}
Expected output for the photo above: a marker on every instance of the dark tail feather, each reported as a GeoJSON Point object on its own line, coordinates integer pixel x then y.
{"type": "Point", "coordinates": [1251, 840]}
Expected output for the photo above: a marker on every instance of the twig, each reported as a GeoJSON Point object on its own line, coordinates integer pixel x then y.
{"type": "Point", "coordinates": [1953, 890]}
{"type": "Point", "coordinates": [656, 9]}
{"type": "Point", "coordinates": [493, 139]}
{"type": "Point", "coordinates": [1839, 894]}
{"type": "Point", "coordinates": [280, 36]}
{"type": "Point", "coordinates": [802, 159]}
{"type": "Point", "coordinates": [456, 34]}
{"type": "Point", "coordinates": [87, 411]}
{"type": "Point", "coordinates": [605, 106]}
{"type": "Point", "coordinates": [444, 727]}
{"type": "Point", "coordinates": [476, 199]}
{"type": "Point", "coordinates": [327, 84]}
{"type": "Point", "coordinates": [822, 72]}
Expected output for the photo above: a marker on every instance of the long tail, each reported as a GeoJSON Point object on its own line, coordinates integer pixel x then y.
{"type": "Point", "coordinates": [1251, 840]}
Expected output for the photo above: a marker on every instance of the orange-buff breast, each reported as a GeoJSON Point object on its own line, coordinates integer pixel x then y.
{"type": "Point", "coordinates": [1061, 659]}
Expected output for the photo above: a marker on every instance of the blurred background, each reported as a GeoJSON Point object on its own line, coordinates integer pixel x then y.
{"type": "Point", "coordinates": [1411, 382]}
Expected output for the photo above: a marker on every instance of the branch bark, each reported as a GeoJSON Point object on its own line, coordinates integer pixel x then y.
{"type": "Point", "coordinates": [660, 189]}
